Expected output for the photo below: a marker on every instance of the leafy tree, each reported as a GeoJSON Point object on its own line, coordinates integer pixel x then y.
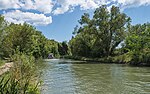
{"type": "Point", "coordinates": [3, 26]}
{"type": "Point", "coordinates": [63, 48]}
{"type": "Point", "coordinates": [137, 43]}
{"type": "Point", "coordinates": [28, 40]}
{"type": "Point", "coordinates": [99, 36]}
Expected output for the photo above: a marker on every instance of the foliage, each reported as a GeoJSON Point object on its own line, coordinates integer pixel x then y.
{"type": "Point", "coordinates": [22, 78]}
{"type": "Point", "coordinates": [110, 36]}
{"type": "Point", "coordinates": [13, 86]}
{"type": "Point", "coordinates": [137, 43]}
{"type": "Point", "coordinates": [23, 66]}
{"type": "Point", "coordinates": [63, 48]}
{"type": "Point", "coordinates": [26, 39]}
{"type": "Point", "coordinates": [99, 36]}
{"type": "Point", "coordinates": [23, 44]}
{"type": "Point", "coordinates": [2, 62]}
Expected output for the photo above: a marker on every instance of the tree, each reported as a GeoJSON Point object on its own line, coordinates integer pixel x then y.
{"type": "Point", "coordinates": [3, 26]}
{"type": "Point", "coordinates": [28, 40]}
{"type": "Point", "coordinates": [99, 36]}
{"type": "Point", "coordinates": [63, 48]}
{"type": "Point", "coordinates": [137, 43]}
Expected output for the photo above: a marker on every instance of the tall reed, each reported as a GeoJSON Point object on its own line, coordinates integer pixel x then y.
{"type": "Point", "coordinates": [22, 78]}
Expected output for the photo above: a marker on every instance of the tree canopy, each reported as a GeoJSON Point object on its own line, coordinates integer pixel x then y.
{"type": "Point", "coordinates": [26, 39]}
{"type": "Point", "coordinates": [99, 36]}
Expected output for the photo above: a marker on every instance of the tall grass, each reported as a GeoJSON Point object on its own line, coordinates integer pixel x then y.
{"type": "Point", "coordinates": [22, 78]}
{"type": "Point", "coordinates": [2, 62]}
{"type": "Point", "coordinates": [13, 86]}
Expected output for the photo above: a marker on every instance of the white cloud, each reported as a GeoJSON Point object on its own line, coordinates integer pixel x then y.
{"type": "Point", "coordinates": [67, 5]}
{"type": "Point", "coordinates": [90, 4]}
{"type": "Point", "coordinates": [44, 6]}
{"type": "Point", "coordinates": [18, 16]}
{"type": "Point", "coordinates": [6, 4]}
{"type": "Point", "coordinates": [132, 3]}
{"type": "Point", "coordinates": [61, 6]}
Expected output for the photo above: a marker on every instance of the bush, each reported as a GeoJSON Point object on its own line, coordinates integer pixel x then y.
{"type": "Point", "coordinates": [24, 66]}
{"type": "Point", "coordinates": [22, 78]}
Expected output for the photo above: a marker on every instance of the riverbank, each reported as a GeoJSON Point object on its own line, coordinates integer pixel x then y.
{"type": "Point", "coordinates": [102, 60]}
{"type": "Point", "coordinates": [122, 59]}
{"type": "Point", "coordinates": [20, 75]}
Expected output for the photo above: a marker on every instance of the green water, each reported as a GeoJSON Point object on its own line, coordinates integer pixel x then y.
{"type": "Point", "coordinates": [71, 77]}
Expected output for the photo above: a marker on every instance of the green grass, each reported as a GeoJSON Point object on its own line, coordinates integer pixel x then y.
{"type": "Point", "coordinates": [2, 62]}
{"type": "Point", "coordinates": [22, 77]}
{"type": "Point", "coordinates": [9, 85]}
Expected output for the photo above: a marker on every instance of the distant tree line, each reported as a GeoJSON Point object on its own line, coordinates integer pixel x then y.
{"type": "Point", "coordinates": [27, 39]}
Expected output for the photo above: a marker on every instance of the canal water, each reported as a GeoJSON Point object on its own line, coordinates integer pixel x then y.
{"type": "Point", "coordinates": [62, 76]}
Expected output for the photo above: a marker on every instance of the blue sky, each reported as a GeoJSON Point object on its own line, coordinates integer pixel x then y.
{"type": "Point", "coordinates": [57, 18]}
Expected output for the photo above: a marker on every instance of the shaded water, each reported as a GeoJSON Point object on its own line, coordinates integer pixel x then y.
{"type": "Point", "coordinates": [72, 77]}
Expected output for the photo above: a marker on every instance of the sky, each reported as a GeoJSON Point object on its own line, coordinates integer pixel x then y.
{"type": "Point", "coordinates": [56, 19]}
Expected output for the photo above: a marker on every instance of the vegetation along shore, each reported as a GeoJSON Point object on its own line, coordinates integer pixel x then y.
{"type": "Point", "coordinates": [108, 36]}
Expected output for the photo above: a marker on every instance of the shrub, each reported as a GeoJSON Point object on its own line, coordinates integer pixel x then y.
{"type": "Point", "coordinates": [22, 78]}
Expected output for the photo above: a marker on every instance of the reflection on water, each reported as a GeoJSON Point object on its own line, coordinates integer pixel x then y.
{"type": "Point", "coordinates": [64, 77]}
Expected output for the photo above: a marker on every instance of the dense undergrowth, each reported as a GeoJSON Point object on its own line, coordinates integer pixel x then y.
{"type": "Point", "coordinates": [22, 77]}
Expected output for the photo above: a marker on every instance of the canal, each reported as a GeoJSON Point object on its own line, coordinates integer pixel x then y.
{"type": "Point", "coordinates": [62, 76]}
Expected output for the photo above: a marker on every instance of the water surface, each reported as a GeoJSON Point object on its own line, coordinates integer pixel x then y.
{"type": "Point", "coordinates": [72, 77]}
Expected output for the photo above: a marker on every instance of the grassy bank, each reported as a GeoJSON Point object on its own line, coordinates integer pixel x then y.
{"type": "Point", "coordinates": [99, 60]}
{"type": "Point", "coordinates": [121, 59]}
{"type": "Point", "coordinates": [22, 77]}
{"type": "Point", "coordinates": [86, 59]}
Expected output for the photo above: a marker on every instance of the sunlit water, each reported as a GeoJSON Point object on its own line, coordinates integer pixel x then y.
{"type": "Point", "coordinates": [72, 77]}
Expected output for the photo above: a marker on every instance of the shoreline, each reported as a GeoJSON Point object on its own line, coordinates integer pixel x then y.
{"type": "Point", "coordinates": [108, 60]}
